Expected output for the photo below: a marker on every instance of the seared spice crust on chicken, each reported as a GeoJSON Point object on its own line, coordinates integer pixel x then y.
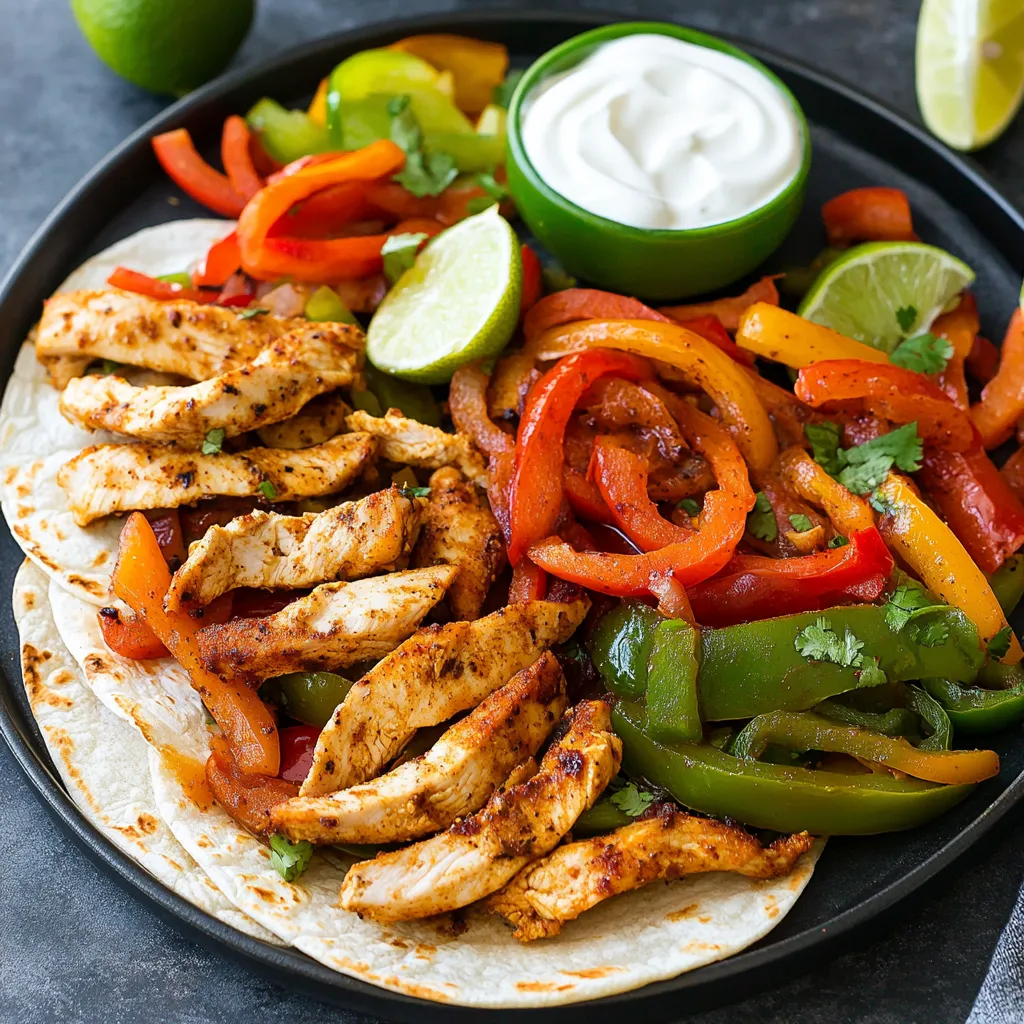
{"type": "Point", "coordinates": [110, 478]}
{"type": "Point", "coordinates": [439, 672]}
{"type": "Point", "coordinates": [459, 529]}
{"type": "Point", "coordinates": [317, 421]}
{"type": "Point", "coordinates": [174, 336]}
{"type": "Point", "coordinates": [477, 855]}
{"type": "Point", "coordinates": [336, 625]}
{"type": "Point", "coordinates": [276, 552]}
{"type": "Point", "coordinates": [670, 844]}
{"type": "Point", "coordinates": [452, 779]}
{"type": "Point", "coordinates": [275, 385]}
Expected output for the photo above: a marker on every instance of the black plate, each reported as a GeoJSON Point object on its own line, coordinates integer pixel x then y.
{"type": "Point", "coordinates": [856, 142]}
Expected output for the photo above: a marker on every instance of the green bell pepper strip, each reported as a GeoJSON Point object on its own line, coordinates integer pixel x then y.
{"type": "Point", "coordinates": [287, 134]}
{"type": "Point", "coordinates": [933, 714]}
{"type": "Point", "coordinates": [325, 306]}
{"type": "Point", "coordinates": [898, 721]}
{"type": "Point", "coordinates": [603, 817]}
{"type": "Point", "coordinates": [310, 697]}
{"type": "Point", "coordinates": [782, 798]}
{"type": "Point", "coordinates": [673, 711]}
{"type": "Point", "coordinates": [973, 710]}
{"type": "Point", "coordinates": [620, 645]}
{"type": "Point", "coordinates": [803, 730]}
{"type": "Point", "coordinates": [416, 401]}
{"type": "Point", "coordinates": [1007, 583]}
{"type": "Point", "coordinates": [895, 722]}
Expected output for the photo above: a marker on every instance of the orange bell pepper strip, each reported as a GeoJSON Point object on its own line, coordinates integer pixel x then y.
{"type": "Point", "coordinates": [317, 109]}
{"type": "Point", "coordinates": [1002, 400]}
{"type": "Point", "coordinates": [222, 260]}
{"type": "Point", "coordinates": [327, 213]}
{"type": "Point", "coordinates": [932, 552]}
{"type": "Point", "coordinates": [983, 360]}
{"type": "Point", "coordinates": [890, 392]}
{"type": "Point", "coordinates": [235, 155]}
{"type": "Point", "coordinates": [960, 328]}
{"type": "Point", "coordinates": [467, 401]}
{"type": "Point", "coordinates": [130, 636]}
{"type": "Point", "coordinates": [784, 337]}
{"type": "Point", "coordinates": [247, 797]}
{"type": "Point", "coordinates": [868, 215]}
{"type": "Point", "coordinates": [1012, 472]}
{"type": "Point", "coordinates": [710, 327]}
{"type": "Point", "coordinates": [529, 583]}
{"type": "Point", "coordinates": [266, 259]}
{"type": "Point", "coordinates": [730, 310]}
{"type": "Point", "coordinates": [532, 279]}
{"type": "Point", "coordinates": [572, 304]}
{"type": "Point", "coordinates": [704, 552]}
{"type": "Point", "coordinates": [848, 512]}
{"type": "Point", "coordinates": [194, 176]}
{"type": "Point", "coordinates": [976, 501]}
{"type": "Point", "coordinates": [477, 66]}
{"type": "Point", "coordinates": [699, 361]}
{"type": "Point", "coordinates": [584, 496]}
{"type": "Point", "coordinates": [536, 491]}
{"type": "Point", "coordinates": [141, 579]}
{"type": "Point", "coordinates": [142, 284]}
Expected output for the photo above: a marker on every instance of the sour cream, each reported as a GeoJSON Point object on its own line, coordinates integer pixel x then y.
{"type": "Point", "coordinates": [655, 132]}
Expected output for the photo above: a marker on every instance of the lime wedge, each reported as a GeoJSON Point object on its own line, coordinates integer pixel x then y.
{"type": "Point", "coordinates": [970, 68]}
{"type": "Point", "coordinates": [861, 293]}
{"type": "Point", "coordinates": [459, 301]}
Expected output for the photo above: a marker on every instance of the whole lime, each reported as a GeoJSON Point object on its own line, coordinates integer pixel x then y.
{"type": "Point", "coordinates": [166, 46]}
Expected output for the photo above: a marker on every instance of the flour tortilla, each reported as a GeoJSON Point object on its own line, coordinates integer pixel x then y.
{"type": "Point", "coordinates": [103, 762]}
{"type": "Point", "coordinates": [35, 440]}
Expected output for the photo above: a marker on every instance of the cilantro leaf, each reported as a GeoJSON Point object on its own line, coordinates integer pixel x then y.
{"type": "Point", "coordinates": [269, 490]}
{"type": "Point", "coordinates": [415, 492]}
{"type": "Point", "coordinates": [289, 859]}
{"type": "Point", "coordinates": [399, 252]}
{"type": "Point", "coordinates": [824, 438]}
{"type": "Point", "coordinates": [424, 174]}
{"type": "Point", "coordinates": [819, 642]}
{"type": "Point", "coordinates": [107, 367]}
{"type": "Point", "coordinates": [923, 353]}
{"type": "Point", "coordinates": [761, 521]}
{"type": "Point", "coordinates": [880, 503]}
{"type": "Point", "coordinates": [871, 674]}
{"type": "Point", "coordinates": [631, 800]}
{"type": "Point", "coordinates": [930, 634]}
{"type": "Point", "coordinates": [214, 441]}
{"type": "Point", "coordinates": [494, 188]}
{"type": "Point", "coordinates": [801, 523]}
{"type": "Point", "coordinates": [1000, 643]}
{"type": "Point", "coordinates": [902, 603]}
{"type": "Point", "coordinates": [839, 541]}
{"type": "Point", "coordinates": [905, 317]}
{"type": "Point", "coordinates": [689, 506]}
{"type": "Point", "coordinates": [502, 94]}
{"type": "Point", "coordinates": [250, 311]}
{"type": "Point", "coordinates": [868, 464]}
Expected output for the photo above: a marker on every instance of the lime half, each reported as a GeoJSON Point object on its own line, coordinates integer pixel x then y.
{"type": "Point", "coordinates": [970, 68]}
{"type": "Point", "coordinates": [883, 292]}
{"type": "Point", "coordinates": [459, 301]}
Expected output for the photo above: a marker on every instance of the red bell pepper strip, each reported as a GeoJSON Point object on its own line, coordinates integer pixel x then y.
{"type": "Point", "coordinates": [571, 304]}
{"type": "Point", "coordinates": [194, 176]}
{"type": "Point", "coordinates": [529, 583]}
{"type": "Point", "coordinates": [1002, 400]}
{"type": "Point", "coordinates": [236, 157]}
{"type": "Point", "coordinates": [584, 496]}
{"type": "Point", "coordinates": [729, 310]}
{"type": "Point", "coordinates": [499, 486]}
{"type": "Point", "coordinates": [467, 401]}
{"type": "Point", "coordinates": [222, 260]}
{"type": "Point", "coordinates": [868, 215]}
{"type": "Point", "coordinates": [327, 213]}
{"type": "Point", "coordinates": [983, 360]}
{"type": "Point", "coordinates": [531, 279]}
{"type": "Point", "coordinates": [890, 392]}
{"type": "Point", "coordinates": [1013, 472]}
{"type": "Point", "coordinates": [247, 797]}
{"type": "Point", "coordinates": [701, 555]}
{"type": "Point", "coordinates": [297, 745]}
{"type": "Point", "coordinates": [710, 327]}
{"type": "Point", "coordinates": [673, 601]}
{"type": "Point", "coordinates": [977, 503]}
{"type": "Point", "coordinates": [536, 494]}
{"type": "Point", "coordinates": [143, 284]}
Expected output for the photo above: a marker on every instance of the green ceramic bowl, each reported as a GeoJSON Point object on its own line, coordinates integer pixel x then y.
{"type": "Point", "coordinates": [651, 263]}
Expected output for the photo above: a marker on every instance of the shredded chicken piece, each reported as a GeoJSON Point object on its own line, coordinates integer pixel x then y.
{"type": "Point", "coordinates": [274, 386]}
{"type": "Point", "coordinates": [318, 421]}
{"type": "Point", "coordinates": [479, 854]}
{"type": "Point", "coordinates": [454, 778]}
{"type": "Point", "coordinates": [336, 625]}
{"type": "Point", "coordinates": [578, 876]}
{"type": "Point", "coordinates": [187, 338]}
{"type": "Point", "coordinates": [459, 529]}
{"type": "Point", "coordinates": [417, 444]}
{"type": "Point", "coordinates": [436, 674]}
{"type": "Point", "coordinates": [109, 478]}
{"type": "Point", "coordinates": [276, 552]}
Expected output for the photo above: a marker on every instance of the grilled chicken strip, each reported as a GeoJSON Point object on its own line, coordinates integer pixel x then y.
{"type": "Point", "coordinates": [275, 552]}
{"type": "Point", "coordinates": [417, 444]}
{"type": "Point", "coordinates": [578, 876]}
{"type": "Point", "coordinates": [336, 625]}
{"type": "Point", "coordinates": [479, 854]}
{"type": "Point", "coordinates": [454, 778]}
{"type": "Point", "coordinates": [274, 386]}
{"type": "Point", "coordinates": [319, 421]}
{"type": "Point", "coordinates": [436, 674]}
{"type": "Point", "coordinates": [459, 529]}
{"type": "Point", "coordinates": [110, 478]}
{"type": "Point", "coordinates": [187, 338]}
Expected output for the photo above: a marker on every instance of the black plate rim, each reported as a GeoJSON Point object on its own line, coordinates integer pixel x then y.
{"type": "Point", "coordinates": [25, 743]}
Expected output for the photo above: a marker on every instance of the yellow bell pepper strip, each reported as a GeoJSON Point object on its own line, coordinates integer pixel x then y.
{"type": "Point", "coordinates": [804, 730]}
{"type": "Point", "coordinates": [848, 512]}
{"type": "Point", "coordinates": [700, 362]}
{"type": "Point", "coordinates": [784, 337]}
{"type": "Point", "coordinates": [317, 112]}
{"type": "Point", "coordinates": [930, 548]}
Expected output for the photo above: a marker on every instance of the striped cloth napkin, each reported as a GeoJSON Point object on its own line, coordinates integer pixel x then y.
{"type": "Point", "coordinates": [1001, 999]}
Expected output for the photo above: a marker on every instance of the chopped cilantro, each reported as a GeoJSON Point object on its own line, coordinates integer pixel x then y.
{"type": "Point", "coordinates": [631, 800]}
{"type": "Point", "coordinates": [902, 603]}
{"type": "Point", "coordinates": [399, 252]}
{"type": "Point", "coordinates": [923, 353]}
{"type": "Point", "coordinates": [494, 188]}
{"type": "Point", "coordinates": [905, 317]}
{"type": "Point", "coordinates": [250, 311]}
{"type": "Point", "coordinates": [825, 438]}
{"type": "Point", "coordinates": [424, 174]}
{"type": "Point", "coordinates": [269, 490]}
{"type": "Point", "coordinates": [288, 858]}
{"type": "Point", "coordinates": [1000, 643]}
{"type": "Point", "coordinates": [863, 468]}
{"type": "Point", "coordinates": [839, 541]}
{"type": "Point", "coordinates": [930, 634]}
{"type": "Point", "coordinates": [214, 441]}
{"type": "Point", "coordinates": [502, 94]}
{"type": "Point", "coordinates": [871, 673]}
{"type": "Point", "coordinates": [415, 492]}
{"type": "Point", "coordinates": [801, 523]}
{"type": "Point", "coordinates": [880, 503]}
{"type": "Point", "coordinates": [819, 642]}
{"type": "Point", "coordinates": [689, 506]}
{"type": "Point", "coordinates": [108, 366]}
{"type": "Point", "coordinates": [761, 521]}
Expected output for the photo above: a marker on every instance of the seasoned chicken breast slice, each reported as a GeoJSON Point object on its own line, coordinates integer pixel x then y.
{"type": "Point", "coordinates": [578, 876]}
{"type": "Point", "coordinates": [187, 338]}
{"type": "Point", "coordinates": [109, 478]}
{"type": "Point", "coordinates": [276, 552]}
{"type": "Point", "coordinates": [336, 625]}
{"type": "Point", "coordinates": [479, 854]}
{"type": "Point", "coordinates": [274, 386]}
{"type": "Point", "coordinates": [459, 529]}
{"type": "Point", "coordinates": [439, 672]}
{"type": "Point", "coordinates": [318, 421]}
{"type": "Point", "coordinates": [454, 778]}
{"type": "Point", "coordinates": [417, 444]}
